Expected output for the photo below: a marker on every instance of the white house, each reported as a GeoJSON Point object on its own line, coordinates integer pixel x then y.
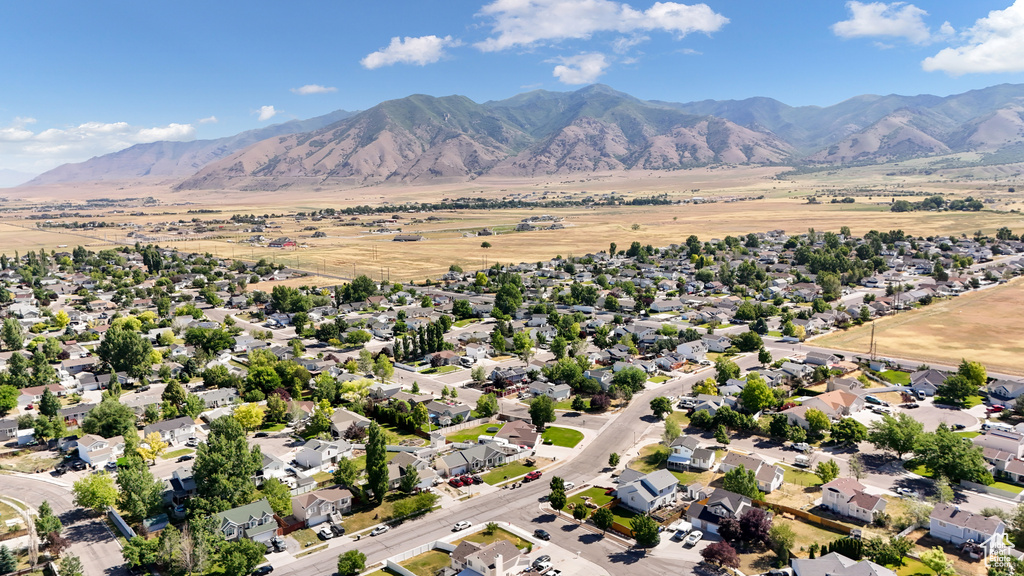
{"type": "Point", "coordinates": [317, 507]}
{"type": "Point", "coordinates": [648, 493]}
{"type": "Point", "coordinates": [253, 521]}
{"type": "Point", "coordinates": [846, 496]}
{"type": "Point", "coordinates": [172, 431]}
{"type": "Point", "coordinates": [97, 451]}
{"type": "Point", "coordinates": [835, 564]}
{"type": "Point", "coordinates": [708, 513]}
{"type": "Point", "coordinates": [501, 558]}
{"type": "Point", "coordinates": [769, 477]}
{"type": "Point", "coordinates": [319, 453]}
{"type": "Point", "coordinates": [695, 351]}
{"type": "Point", "coordinates": [716, 343]}
{"type": "Point", "coordinates": [951, 524]}
{"type": "Point", "coordinates": [556, 392]}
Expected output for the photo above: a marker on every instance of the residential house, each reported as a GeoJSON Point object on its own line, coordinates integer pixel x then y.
{"type": "Point", "coordinates": [708, 513]}
{"type": "Point", "coordinates": [97, 451]}
{"type": "Point", "coordinates": [682, 452]}
{"type": "Point", "coordinates": [713, 403]}
{"type": "Point", "coordinates": [836, 404]}
{"type": "Point", "coordinates": [1005, 390]}
{"type": "Point", "coordinates": [477, 351]}
{"type": "Point", "coordinates": [512, 375]}
{"type": "Point", "coordinates": [320, 453]}
{"type": "Point", "coordinates": [519, 433]}
{"type": "Point", "coordinates": [173, 431]}
{"type": "Point", "coordinates": [444, 414]}
{"type": "Point", "coordinates": [695, 351]}
{"type": "Point", "coordinates": [476, 458]}
{"type": "Point", "coordinates": [716, 343]}
{"type": "Point", "coordinates": [951, 524]}
{"type": "Point", "coordinates": [254, 521]}
{"type": "Point", "coordinates": [835, 564]}
{"type": "Point", "coordinates": [846, 496]}
{"type": "Point", "coordinates": [769, 477]}
{"type": "Point", "coordinates": [8, 429]}
{"type": "Point", "coordinates": [219, 398]}
{"type": "Point", "coordinates": [181, 485]}
{"type": "Point", "coordinates": [401, 464]}
{"type": "Point", "coordinates": [556, 392]}
{"type": "Point", "coordinates": [501, 558]}
{"type": "Point", "coordinates": [33, 394]}
{"type": "Point", "coordinates": [342, 419]}
{"type": "Point", "coordinates": [927, 381]}
{"type": "Point", "coordinates": [317, 507]}
{"type": "Point", "coordinates": [74, 415]}
{"type": "Point", "coordinates": [649, 493]}
{"type": "Point", "coordinates": [821, 359]}
{"type": "Point", "coordinates": [1003, 440]}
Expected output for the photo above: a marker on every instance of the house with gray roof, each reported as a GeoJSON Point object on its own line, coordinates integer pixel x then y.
{"type": "Point", "coordinates": [219, 398]}
{"type": "Point", "coordinates": [318, 453]}
{"type": "Point", "coordinates": [253, 521]}
{"type": "Point", "coordinates": [172, 431]}
{"type": "Point", "coordinates": [649, 492]}
{"type": "Point", "coordinates": [708, 513]}
{"type": "Point", "coordinates": [315, 508]}
{"type": "Point", "coordinates": [951, 524]}
{"type": "Point", "coordinates": [769, 477]}
{"type": "Point", "coordinates": [476, 458]}
{"type": "Point", "coordinates": [835, 564]}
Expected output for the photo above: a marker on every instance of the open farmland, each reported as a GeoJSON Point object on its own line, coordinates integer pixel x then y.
{"type": "Point", "coordinates": [982, 326]}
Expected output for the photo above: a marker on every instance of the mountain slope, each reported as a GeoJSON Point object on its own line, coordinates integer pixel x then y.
{"type": "Point", "coordinates": [173, 159]}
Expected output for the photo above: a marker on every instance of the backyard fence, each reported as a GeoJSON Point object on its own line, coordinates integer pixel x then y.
{"type": "Point", "coordinates": [13, 534]}
{"type": "Point", "coordinates": [1015, 496]}
{"type": "Point", "coordinates": [807, 516]}
{"type": "Point", "coordinates": [123, 526]}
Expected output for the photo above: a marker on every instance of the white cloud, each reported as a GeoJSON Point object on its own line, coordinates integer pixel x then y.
{"type": "Point", "coordinates": [266, 113]}
{"type": "Point", "coordinates": [580, 69]}
{"type": "Point", "coordinates": [420, 51]}
{"type": "Point", "coordinates": [897, 19]}
{"type": "Point", "coordinates": [313, 89]}
{"type": "Point", "coordinates": [994, 44]}
{"type": "Point", "coordinates": [525, 22]}
{"type": "Point", "coordinates": [623, 44]}
{"type": "Point", "coordinates": [207, 120]}
{"type": "Point", "coordinates": [24, 149]}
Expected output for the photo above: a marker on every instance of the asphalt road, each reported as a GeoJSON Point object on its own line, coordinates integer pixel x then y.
{"type": "Point", "coordinates": [90, 539]}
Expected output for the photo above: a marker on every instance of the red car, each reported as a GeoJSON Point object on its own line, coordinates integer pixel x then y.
{"type": "Point", "coordinates": [532, 476]}
{"type": "Point", "coordinates": [455, 483]}
{"type": "Point", "coordinates": [995, 409]}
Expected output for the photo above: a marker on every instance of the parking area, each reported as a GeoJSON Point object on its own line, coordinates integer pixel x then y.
{"type": "Point", "coordinates": [927, 413]}
{"type": "Point", "coordinates": [677, 549]}
{"type": "Point", "coordinates": [568, 562]}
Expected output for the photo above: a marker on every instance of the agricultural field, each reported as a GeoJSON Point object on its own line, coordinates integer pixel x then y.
{"type": "Point", "coordinates": [975, 326]}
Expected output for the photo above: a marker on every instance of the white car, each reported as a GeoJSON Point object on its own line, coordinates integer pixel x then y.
{"type": "Point", "coordinates": [379, 530]}
{"type": "Point", "coordinates": [693, 538]}
{"type": "Point", "coordinates": [569, 486]}
{"type": "Point", "coordinates": [462, 525]}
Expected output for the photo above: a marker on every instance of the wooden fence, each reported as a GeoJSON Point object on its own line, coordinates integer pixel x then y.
{"type": "Point", "coordinates": [14, 534]}
{"type": "Point", "coordinates": [806, 516]}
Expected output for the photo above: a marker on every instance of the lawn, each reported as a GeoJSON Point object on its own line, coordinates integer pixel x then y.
{"type": "Point", "coordinates": [8, 512]}
{"type": "Point", "coordinates": [498, 475]}
{"type": "Point", "coordinates": [622, 516]}
{"type": "Point", "coordinates": [800, 477]}
{"type": "Point", "coordinates": [679, 418]}
{"type": "Point", "coordinates": [465, 322]}
{"type": "Point", "coordinates": [1008, 487]}
{"type": "Point", "coordinates": [807, 534]}
{"type": "Point", "coordinates": [488, 539]}
{"type": "Point", "coordinates": [272, 427]}
{"type": "Point", "coordinates": [658, 379]}
{"type": "Point", "coordinates": [427, 564]}
{"type": "Point", "coordinates": [565, 404]}
{"type": "Point", "coordinates": [895, 377]}
{"type": "Point", "coordinates": [471, 434]}
{"type": "Point", "coordinates": [596, 495]}
{"type": "Point", "coordinates": [360, 461]}
{"type": "Point", "coordinates": [651, 458]}
{"type": "Point", "coordinates": [440, 370]}
{"type": "Point", "coordinates": [394, 436]}
{"type": "Point", "coordinates": [562, 437]}
{"type": "Point", "coordinates": [968, 434]}
{"type": "Point", "coordinates": [305, 537]}
{"type": "Point", "coordinates": [912, 567]}
{"type": "Point", "coordinates": [367, 517]}
{"type": "Point", "coordinates": [176, 453]}
{"type": "Point", "coordinates": [917, 468]}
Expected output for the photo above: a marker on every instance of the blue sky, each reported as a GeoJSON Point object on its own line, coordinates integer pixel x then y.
{"type": "Point", "coordinates": [79, 79]}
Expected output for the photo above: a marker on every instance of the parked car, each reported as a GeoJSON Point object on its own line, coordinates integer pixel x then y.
{"type": "Point", "coordinates": [874, 400]}
{"type": "Point", "coordinates": [921, 395]}
{"type": "Point", "coordinates": [461, 525]}
{"type": "Point", "coordinates": [542, 567]}
{"type": "Point", "coordinates": [693, 538]}
{"type": "Point", "coordinates": [569, 486]}
{"type": "Point", "coordinates": [263, 570]}
{"type": "Point", "coordinates": [910, 405]}
{"type": "Point", "coordinates": [278, 543]}
{"type": "Point", "coordinates": [192, 442]}
{"type": "Point", "coordinates": [542, 534]}
{"type": "Point", "coordinates": [338, 530]}
{"type": "Point", "coordinates": [995, 408]}
{"type": "Point", "coordinates": [455, 483]}
{"type": "Point", "coordinates": [958, 426]}
{"type": "Point", "coordinates": [185, 458]}
{"type": "Point", "coordinates": [906, 492]}
{"type": "Point", "coordinates": [541, 559]}
{"type": "Point", "coordinates": [325, 533]}
{"type": "Point", "coordinates": [536, 474]}
{"type": "Point", "coordinates": [380, 530]}
{"type": "Point", "coordinates": [802, 447]}
{"type": "Point", "coordinates": [260, 435]}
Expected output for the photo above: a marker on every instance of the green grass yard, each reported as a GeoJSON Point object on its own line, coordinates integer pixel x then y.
{"type": "Point", "coordinates": [562, 436]}
{"type": "Point", "coordinates": [272, 427]}
{"type": "Point", "coordinates": [1007, 486]}
{"type": "Point", "coordinates": [427, 564]}
{"type": "Point", "coordinates": [471, 434]}
{"type": "Point", "coordinates": [912, 567]}
{"type": "Point", "coordinates": [651, 458]}
{"type": "Point", "coordinates": [306, 537]}
{"type": "Point", "coordinates": [465, 322]}
{"type": "Point", "coordinates": [968, 434]}
{"type": "Point", "coordinates": [800, 477]}
{"type": "Point", "coordinates": [658, 379]}
{"type": "Point", "coordinates": [498, 475]}
{"type": "Point", "coordinates": [440, 370]}
{"type": "Point", "coordinates": [895, 377]}
{"type": "Point", "coordinates": [596, 495]}
{"type": "Point", "coordinates": [177, 453]}
{"type": "Point", "coordinates": [488, 539]}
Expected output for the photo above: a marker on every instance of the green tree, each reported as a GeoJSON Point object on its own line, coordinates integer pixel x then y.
{"type": "Point", "coordinates": [8, 398]}
{"type": "Point", "coordinates": [742, 481]}
{"type": "Point", "coordinates": [8, 561]}
{"type": "Point", "coordinates": [645, 531]}
{"type": "Point", "coordinates": [523, 346]}
{"type": "Point", "coordinates": [632, 379]}
{"type": "Point", "coordinates": [756, 394]}
{"type": "Point", "coordinates": [383, 368]}
{"type": "Point", "coordinates": [224, 467]}
{"type": "Point", "coordinates": [956, 458]}
{"type": "Point", "coordinates": [139, 492]}
{"type": "Point", "coordinates": [672, 430]}
{"type": "Point", "coordinates": [542, 411]}
{"type": "Point", "coordinates": [725, 370]}
{"type": "Point", "coordinates": [140, 552]}
{"type": "Point", "coordinates": [410, 479]}
{"type": "Point", "coordinates": [351, 563]}
{"type": "Point", "coordinates": [12, 334]}
{"type": "Point", "coordinates": [764, 356]}
{"type": "Point", "coordinates": [557, 500]}
{"type": "Point", "coordinates": [278, 495]}
{"type": "Point", "coordinates": [603, 518]}
{"type": "Point", "coordinates": [241, 556]}
{"type": "Point", "coordinates": [707, 386]}
{"type": "Point", "coordinates": [817, 421]}
{"type": "Point", "coordinates": [721, 434]}
{"type": "Point", "coordinates": [174, 393]}
{"type": "Point", "coordinates": [249, 415]}
{"type": "Point", "coordinates": [46, 522]}
{"type": "Point", "coordinates": [849, 431]}
{"type": "Point", "coordinates": [125, 350]}
{"type": "Point", "coordinates": [346, 473]}
{"type": "Point", "coordinates": [938, 562]}
{"type": "Point", "coordinates": [487, 405]}
{"type": "Point", "coordinates": [49, 405]}
{"type": "Point", "coordinates": [827, 471]}
{"type": "Point", "coordinates": [661, 406]}
{"type": "Point", "coordinates": [376, 462]}
{"type": "Point", "coordinates": [613, 459]}
{"type": "Point", "coordinates": [898, 435]}
{"type": "Point", "coordinates": [70, 565]}
{"type": "Point", "coordinates": [580, 513]}
{"type": "Point", "coordinates": [782, 538]}
{"type": "Point", "coordinates": [956, 388]}
{"type": "Point", "coordinates": [974, 372]}
{"type": "Point", "coordinates": [95, 491]}
{"type": "Point", "coordinates": [508, 299]}
{"type": "Point", "coordinates": [421, 416]}
{"type": "Point", "coordinates": [558, 345]}
{"type": "Point", "coordinates": [578, 403]}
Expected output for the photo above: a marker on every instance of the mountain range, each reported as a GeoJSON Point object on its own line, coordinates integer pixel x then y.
{"type": "Point", "coordinates": [424, 138]}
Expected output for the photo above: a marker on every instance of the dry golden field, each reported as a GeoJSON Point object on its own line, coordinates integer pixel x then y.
{"type": "Point", "coordinates": [349, 250]}
{"type": "Point", "coordinates": [986, 326]}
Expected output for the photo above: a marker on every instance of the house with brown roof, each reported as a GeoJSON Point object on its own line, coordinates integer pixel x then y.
{"type": "Point", "coordinates": [519, 433]}
{"type": "Point", "coordinates": [316, 507]}
{"type": "Point", "coordinates": [846, 496]}
{"type": "Point", "coordinates": [769, 477]}
{"type": "Point", "coordinates": [836, 404]}
{"type": "Point", "coordinates": [501, 558]}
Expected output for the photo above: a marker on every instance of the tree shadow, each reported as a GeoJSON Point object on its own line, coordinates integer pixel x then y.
{"type": "Point", "coordinates": [626, 557]}
{"type": "Point", "coordinates": [570, 527]}
{"type": "Point", "coordinates": [544, 519]}
{"type": "Point", "coordinates": [590, 538]}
